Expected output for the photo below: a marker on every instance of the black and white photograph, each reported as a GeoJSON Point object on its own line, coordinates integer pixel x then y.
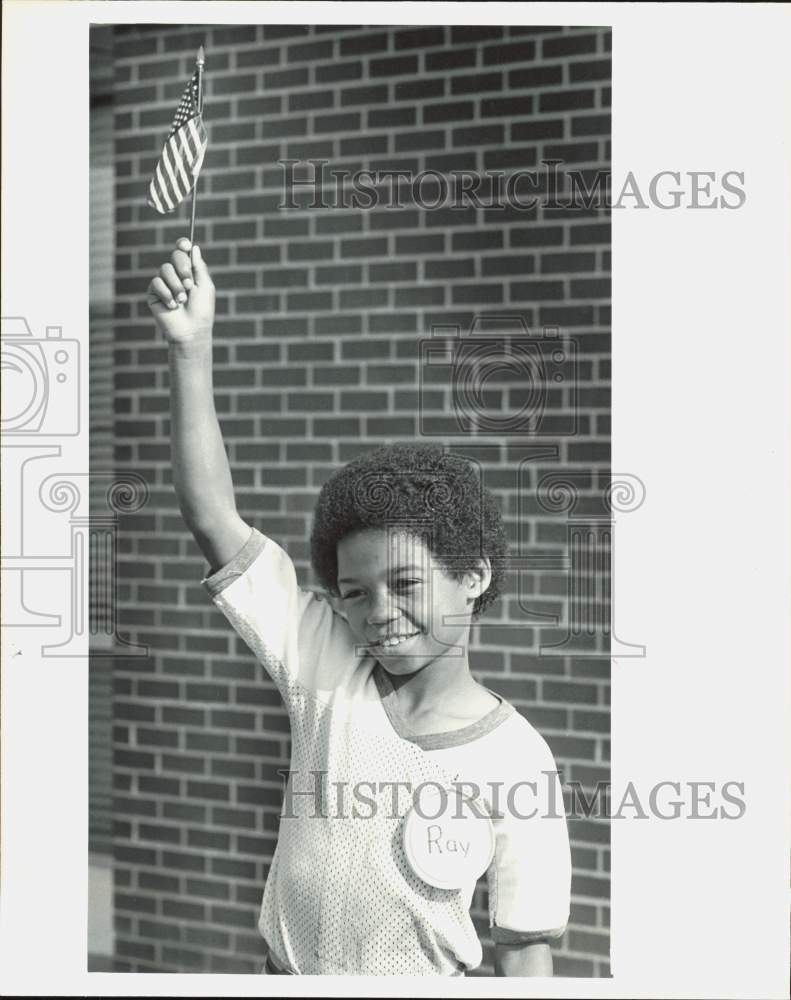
{"type": "Point", "coordinates": [363, 506]}
{"type": "Point", "coordinates": [366, 389]}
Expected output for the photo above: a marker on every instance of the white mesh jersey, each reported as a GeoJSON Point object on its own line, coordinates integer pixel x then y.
{"type": "Point", "coordinates": [341, 897]}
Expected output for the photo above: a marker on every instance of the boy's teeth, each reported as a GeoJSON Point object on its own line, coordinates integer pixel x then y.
{"type": "Point", "coordinates": [395, 640]}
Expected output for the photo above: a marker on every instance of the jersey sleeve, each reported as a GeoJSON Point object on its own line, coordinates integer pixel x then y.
{"type": "Point", "coordinates": [530, 877]}
{"type": "Point", "coordinates": [302, 642]}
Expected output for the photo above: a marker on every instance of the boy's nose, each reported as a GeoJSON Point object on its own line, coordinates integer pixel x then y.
{"type": "Point", "coordinates": [382, 612]}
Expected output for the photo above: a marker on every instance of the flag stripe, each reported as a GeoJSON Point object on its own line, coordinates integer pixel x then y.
{"type": "Point", "coordinates": [186, 158]}
{"type": "Point", "coordinates": [178, 161]}
{"type": "Point", "coordinates": [182, 155]}
{"type": "Point", "coordinates": [163, 188]}
{"type": "Point", "coordinates": [153, 198]}
{"type": "Point", "coordinates": [174, 184]}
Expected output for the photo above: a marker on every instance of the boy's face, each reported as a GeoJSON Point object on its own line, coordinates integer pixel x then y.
{"type": "Point", "coordinates": [392, 586]}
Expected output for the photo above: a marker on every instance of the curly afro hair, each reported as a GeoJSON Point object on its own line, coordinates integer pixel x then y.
{"type": "Point", "coordinates": [419, 489]}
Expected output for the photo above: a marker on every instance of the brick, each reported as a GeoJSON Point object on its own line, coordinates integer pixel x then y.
{"type": "Point", "coordinates": [242, 34]}
{"type": "Point", "coordinates": [511, 264]}
{"type": "Point", "coordinates": [207, 938]}
{"type": "Point", "coordinates": [536, 291]}
{"type": "Point", "coordinates": [183, 910]}
{"type": "Point", "coordinates": [568, 45]}
{"type": "Point", "coordinates": [339, 274]}
{"type": "Point", "coordinates": [474, 34]}
{"type": "Point", "coordinates": [591, 125]}
{"type": "Point", "coordinates": [233, 719]}
{"type": "Point", "coordinates": [476, 83]}
{"type": "Point", "coordinates": [158, 882]}
{"type": "Point", "coordinates": [227, 916]}
{"type": "Point", "coordinates": [478, 240]}
{"type": "Point", "coordinates": [210, 890]}
{"type": "Point", "coordinates": [389, 118]}
{"type": "Point", "coordinates": [582, 72]}
{"type": "Point", "coordinates": [135, 949]}
{"type": "Point", "coordinates": [158, 930]}
{"type": "Point", "coordinates": [393, 66]}
{"type": "Point", "coordinates": [183, 861]}
{"type": "Point", "coordinates": [450, 59]}
{"type": "Point", "coordinates": [236, 818]}
{"type": "Point", "coordinates": [420, 38]}
{"type": "Point", "coordinates": [558, 263]}
{"type": "Point", "coordinates": [478, 135]}
{"type": "Point", "coordinates": [391, 426]}
{"type": "Point", "coordinates": [410, 141]}
{"type": "Point", "coordinates": [363, 298]}
{"type": "Point", "coordinates": [358, 45]}
{"type": "Point", "coordinates": [592, 887]}
{"type": "Point", "coordinates": [419, 295]}
{"type": "Point", "coordinates": [334, 72]}
{"type": "Point", "coordinates": [447, 111]}
{"type": "Point", "coordinates": [565, 691]}
{"type": "Point", "coordinates": [275, 32]}
{"type": "Point", "coordinates": [336, 427]}
{"type": "Point", "coordinates": [566, 100]}
{"type": "Point", "coordinates": [501, 106]}
{"type": "Point", "coordinates": [308, 51]}
{"type": "Point", "coordinates": [344, 122]}
{"type": "Point", "coordinates": [207, 692]}
{"type": "Point", "coordinates": [579, 152]}
{"type": "Point", "coordinates": [420, 89]}
{"type": "Point", "coordinates": [565, 965]}
{"type": "Point", "coordinates": [363, 400]}
{"type": "Point", "coordinates": [546, 128]}
{"type": "Point", "coordinates": [339, 222]}
{"type": "Point", "coordinates": [365, 247]}
{"type": "Point", "coordinates": [451, 268]}
{"type": "Point", "coordinates": [208, 790]}
{"type": "Point", "coordinates": [256, 746]}
{"type": "Point", "coordinates": [184, 957]}
{"type": "Point", "coordinates": [591, 288]}
{"type": "Point", "coordinates": [536, 76]}
{"type": "Point", "coordinates": [132, 712]}
{"type": "Point", "coordinates": [598, 232]}
{"type": "Point", "coordinates": [339, 324]}
{"type": "Point", "coordinates": [474, 294]}
{"type": "Point", "coordinates": [365, 350]}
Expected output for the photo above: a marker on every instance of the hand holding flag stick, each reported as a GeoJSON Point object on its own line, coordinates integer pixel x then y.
{"type": "Point", "coordinates": [176, 173]}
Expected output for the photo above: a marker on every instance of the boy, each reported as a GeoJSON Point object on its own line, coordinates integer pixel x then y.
{"type": "Point", "coordinates": [376, 681]}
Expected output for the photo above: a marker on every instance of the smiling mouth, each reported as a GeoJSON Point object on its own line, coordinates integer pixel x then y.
{"type": "Point", "coordinates": [393, 642]}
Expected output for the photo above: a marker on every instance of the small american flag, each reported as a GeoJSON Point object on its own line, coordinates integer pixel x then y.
{"type": "Point", "coordinates": [182, 155]}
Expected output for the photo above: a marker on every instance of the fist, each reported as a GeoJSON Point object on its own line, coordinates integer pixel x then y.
{"type": "Point", "coordinates": [181, 296]}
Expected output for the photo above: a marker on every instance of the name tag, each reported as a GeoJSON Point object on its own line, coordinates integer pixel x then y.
{"type": "Point", "coordinates": [448, 837]}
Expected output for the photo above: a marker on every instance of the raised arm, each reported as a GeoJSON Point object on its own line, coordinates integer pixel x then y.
{"type": "Point", "coordinates": [181, 299]}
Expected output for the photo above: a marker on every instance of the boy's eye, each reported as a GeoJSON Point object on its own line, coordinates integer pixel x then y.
{"type": "Point", "coordinates": [350, 595]}
{"type": "Point", "coordinates": [407, 583]}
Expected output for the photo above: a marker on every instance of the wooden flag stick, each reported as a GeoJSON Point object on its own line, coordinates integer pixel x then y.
{"type": "Point", "coordinates": [200, 61]}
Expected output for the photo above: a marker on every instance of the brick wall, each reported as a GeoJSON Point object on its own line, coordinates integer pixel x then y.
{"type": "Point", "coordinates": [320, 313]}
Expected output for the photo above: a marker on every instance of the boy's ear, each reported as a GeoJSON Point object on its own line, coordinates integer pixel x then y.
{"type": "Point", "coordinates": [480, 577]}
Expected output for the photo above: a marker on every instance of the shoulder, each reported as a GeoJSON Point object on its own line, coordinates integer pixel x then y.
{"type": "Point", "coordinates": [517, 747]}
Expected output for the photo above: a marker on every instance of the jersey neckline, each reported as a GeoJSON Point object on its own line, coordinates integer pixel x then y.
{"type": "Point", "coordinates": [437, 741]}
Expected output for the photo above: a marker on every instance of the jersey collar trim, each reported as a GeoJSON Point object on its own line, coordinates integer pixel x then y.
{"type": "Point", "coordinates": [437, 741]}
